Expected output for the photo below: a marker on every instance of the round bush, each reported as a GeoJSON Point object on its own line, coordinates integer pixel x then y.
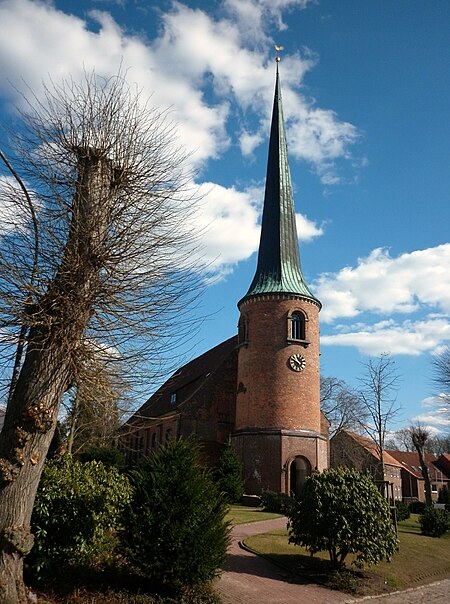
{"type": "Point", "coordinates": [403, 512]}
{"type": "Point", "coordinates": [434, 523]}
{"type": "Point", "coordinates": [77, 508]}
{"type": "Point", "coordinates": [341, 511]}
{"type": "Point", "coordinates": [175, 533]}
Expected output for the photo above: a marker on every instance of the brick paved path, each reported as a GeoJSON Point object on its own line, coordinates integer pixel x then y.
{"type": "Point", "coordinates": [249, 579]}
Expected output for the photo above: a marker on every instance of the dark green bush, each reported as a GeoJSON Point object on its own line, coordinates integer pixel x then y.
{"type": "Point", "coordinates": [109, 456]}
{"type": "Point", "coordinates": [278, 503]}
{"type": "Point", "coordinates": [342, 512]}
{"type": "Point", "coordinates": [403, 512]}
{"type": "Point", "coordinates": [434, 523]}
{"type": "Point", "coordinates": [417, 507]}
{"type": "Point", "coordinates": [228, 475]}
{"type": "Point", "coordinates": [175, 532]}
{"type": "Point", "coordinates": [444, 495]}
{"type": "Point", "coordinates": [77, 509]}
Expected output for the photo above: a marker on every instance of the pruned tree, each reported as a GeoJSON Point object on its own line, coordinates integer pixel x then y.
{"type": "Point", "coordinates": [420, 437]}
{"type": "Point", "coordinates": [378, 396]}
{"type": "Point", "coordinates": [92, 258]}
{"type": "Point", "coordinates": [341, 405]}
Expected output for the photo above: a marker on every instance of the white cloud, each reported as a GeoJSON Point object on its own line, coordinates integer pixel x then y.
{"type": "Point", "coordinates": [411, 338]}
{"type": "Point", "coordinates": [307, 230]}
{"type": "Point", "coordinates": [193, 50]}
{"type": "Point", "coordinates": [382, 284]}
{"type": "Point", "coordinates": [200, 66]}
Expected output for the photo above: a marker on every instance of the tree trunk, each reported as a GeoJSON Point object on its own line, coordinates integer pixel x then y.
{"type": "Point", "coordinates": [60, 323]}
{"type": "Point", "coordinates": [426, 477]}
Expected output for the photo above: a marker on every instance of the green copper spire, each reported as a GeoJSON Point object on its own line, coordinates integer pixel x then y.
{"type": "Point", "coordinates": [278, 269]}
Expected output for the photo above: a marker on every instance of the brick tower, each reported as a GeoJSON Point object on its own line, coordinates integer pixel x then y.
{"type": "Point", "coordinates": [278, 431]}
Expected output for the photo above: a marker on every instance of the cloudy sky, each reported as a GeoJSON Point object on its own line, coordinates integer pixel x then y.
{"type": "Point", "coordinates": [366, 91]}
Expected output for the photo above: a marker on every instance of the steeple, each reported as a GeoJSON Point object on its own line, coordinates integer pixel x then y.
{"type": "Point", "coordinates": [278, 269]}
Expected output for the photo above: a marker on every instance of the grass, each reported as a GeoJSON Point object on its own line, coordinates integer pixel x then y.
{"type": "Point", "coordinates": [241, 514]}
{"type": "Point", "coordinates": [420, 560]}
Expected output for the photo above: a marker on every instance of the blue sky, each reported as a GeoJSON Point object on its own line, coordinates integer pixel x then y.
{"type": "Point", "coordinates": [366, 93]}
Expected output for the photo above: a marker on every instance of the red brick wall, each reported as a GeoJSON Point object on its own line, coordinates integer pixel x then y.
{"type": "Point", "coordinates": [270, 394]}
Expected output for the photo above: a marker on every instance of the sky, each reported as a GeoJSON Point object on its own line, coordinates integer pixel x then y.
{"type": "Point", "coordinates": [366, 97]}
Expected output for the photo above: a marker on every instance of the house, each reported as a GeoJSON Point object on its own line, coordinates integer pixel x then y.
{"type": "Point", "coordinates": [356, 451]}
{"type": "Point", "coordinates": [260, 388]}
{"type": "Point", "coordinates": [413, 484]}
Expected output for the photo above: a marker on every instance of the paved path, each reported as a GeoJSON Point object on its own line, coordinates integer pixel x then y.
{"type": "Point", "coordinates": [249, 579]}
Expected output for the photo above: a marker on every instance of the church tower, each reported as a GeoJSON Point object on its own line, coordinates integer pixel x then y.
{"type": "Point", "coordinates": [278, 421]}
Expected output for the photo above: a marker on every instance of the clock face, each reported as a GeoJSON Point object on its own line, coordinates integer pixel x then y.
{"type": "Point", "coordinates": [297, 362]}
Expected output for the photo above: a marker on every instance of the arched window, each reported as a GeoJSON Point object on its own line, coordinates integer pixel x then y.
{"type": "Point", "coordinates": [243, 330]}
{"type": "Point", "coordinates": [297, 327]}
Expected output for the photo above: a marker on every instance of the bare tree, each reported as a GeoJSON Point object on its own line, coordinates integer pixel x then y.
{"type": "Point", "coordinates": [341, 405]}
{"type": "Point", "coordinates": [441, 367]}
{"type": "Point", "coordinates": [90, 260]}
{"type": "Point", "coordinates": [400, 440]}
{"type": "Point", "coordinates": [378, 396]}
{"type": "Point", "coordinates": [420, 437]}
{"type": "Point", "coordinates": [95, 408]}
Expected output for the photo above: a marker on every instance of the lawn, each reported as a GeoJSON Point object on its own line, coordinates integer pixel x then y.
{"type": "Point", "coordinates": [241, 514]}
{"type": "Point", "coordinates": [419, 560]}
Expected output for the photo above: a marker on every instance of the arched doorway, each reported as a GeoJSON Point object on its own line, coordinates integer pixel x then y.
{"type": "Point", "coordinates": [299, 471]}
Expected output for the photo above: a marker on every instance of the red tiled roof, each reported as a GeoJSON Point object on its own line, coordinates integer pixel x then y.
{"type": "Point", "coordinates": [184, 382]}
{"type": "Point", "coordinates": [369, 445]}
{"type": "Point", "coordinates": [410, 462]}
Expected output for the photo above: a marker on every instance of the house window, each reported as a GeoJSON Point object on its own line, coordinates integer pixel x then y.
{"type": "Point", "coordinates": [168, 434]}
{"type": "Point", "coordinates": [434, 488]}
{"type": "Point", "coordinates": [297, 326]}
{"type": "Point", "coordinates": [153, 440]}
{"type": "Point", "coordinates": [173, 398]}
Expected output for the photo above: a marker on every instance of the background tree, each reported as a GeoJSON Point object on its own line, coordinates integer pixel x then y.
{"type": "Point", "coordinates": [96, 408]}
{"type": "Point", "coordinates": [341, 405]}
{"type": "Point", "coordinates": [420, 437]}
{"type": "Point", "coordinates": [378, 397]}
{"type": "Point", "coordinates": [228, 475]}
{"type": "Point", "coordinates": [341, 512]}
{"type": "Point", "coordinates": [92, 263]}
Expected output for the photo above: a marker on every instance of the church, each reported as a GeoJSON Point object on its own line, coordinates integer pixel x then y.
{"type": "Point", "coordinates": [259, 389]}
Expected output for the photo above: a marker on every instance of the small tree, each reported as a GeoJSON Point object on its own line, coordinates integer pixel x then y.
{"type": "Point", "coordinates": [228, 475]}
{"type": "Point", "coordinates": [342, 512]}
{"type": "Point", "coordinates": [175, 532]}
{"type": "Point", "coordinates": [378, 395]}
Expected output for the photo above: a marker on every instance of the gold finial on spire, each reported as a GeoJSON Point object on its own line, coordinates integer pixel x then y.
{"type": "Point", "coordinates": [278, 49]}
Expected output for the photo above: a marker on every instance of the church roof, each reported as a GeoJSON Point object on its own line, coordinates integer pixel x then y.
{"type": "Point", "coordinates": [278, 269]}
{"type": "Point", "coordinates": [182, 384]}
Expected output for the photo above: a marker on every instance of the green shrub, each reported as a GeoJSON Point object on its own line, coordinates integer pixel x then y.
{"type": "Point", "coordinates": [341, 511]}
{"type": "Point", "coordinates": [278, 503]}
{"type": "Point", "coordinates": [403, 512]}
{"type": "Point", "coordinates": [434, 523]}
{"type": "Point", "coordinates": [175, 532]}
{"type": "Point", "coordinates": [417, 507]}
{"type": "Point", "coordinates": [109, 456]}
{"type": "Point", "coordinates": [228, 475]}
{"type": "Point", "coordinates": [77, 509]}
{"type": "Point", "coordinates": [444, 495]}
